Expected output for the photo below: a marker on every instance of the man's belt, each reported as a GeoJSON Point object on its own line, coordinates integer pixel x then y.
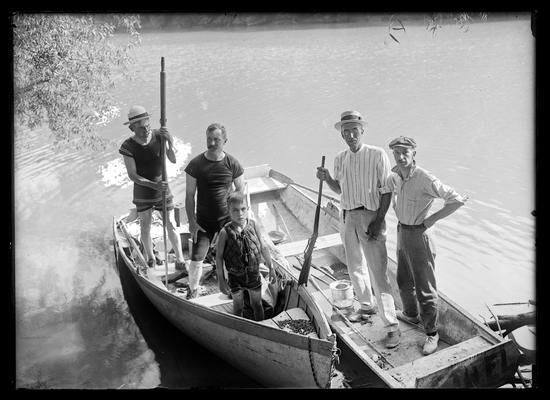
{"type": "Point", "coordinates": [405, 226]}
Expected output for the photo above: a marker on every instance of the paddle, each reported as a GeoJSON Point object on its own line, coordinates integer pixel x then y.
{"type": "Point", "coordinates": [289, 181]}
{"type": "Point", "coordinates": [303, 278]}
{"type": "Point", "coordinates": [163, 156]}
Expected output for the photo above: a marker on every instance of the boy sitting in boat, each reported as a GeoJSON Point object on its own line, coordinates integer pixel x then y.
{"type": "Point", "coordinates": [240, 247]}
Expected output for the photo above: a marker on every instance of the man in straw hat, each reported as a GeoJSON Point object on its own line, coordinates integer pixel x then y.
{"type": "Point", "coordinates": [415, 190]}
{"type": "Point", "coordinates": [360, 176]}
{"type": "Point", "coordinates": [142, 157]}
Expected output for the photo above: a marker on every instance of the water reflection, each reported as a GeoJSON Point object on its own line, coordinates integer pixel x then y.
{"type": "Point", "coordinates": [183, 363]}
{"type": "Point", "coordinates": [88, 341]}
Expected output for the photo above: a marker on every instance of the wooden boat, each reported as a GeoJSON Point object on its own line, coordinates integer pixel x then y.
{"type": "Point", "coordinates": [469, 353]}
{"type": "Point", "coordinates": [274, 352]}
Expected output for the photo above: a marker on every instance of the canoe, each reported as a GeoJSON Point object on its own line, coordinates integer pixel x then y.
{"type": "Point", "coordinates": [293, 348]}
{"type": "Point", "coordinates": [469, 353]}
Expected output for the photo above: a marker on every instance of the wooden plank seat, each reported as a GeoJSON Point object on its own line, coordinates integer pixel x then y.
{"type": "Point", "coordinates": [298, 247]}
{"type": "Point", "coordinates": [263, 184]}
{"type": "Point", "coordinates": [409, 372]}
{"type": "Point", "coordinates": [214, 300]}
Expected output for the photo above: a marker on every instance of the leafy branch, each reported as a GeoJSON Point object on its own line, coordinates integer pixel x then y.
{"type": "Point", "coordinates": [65, 67]}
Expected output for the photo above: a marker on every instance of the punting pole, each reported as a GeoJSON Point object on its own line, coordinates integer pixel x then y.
{"type": "Point", "coordinates": [163, 156]}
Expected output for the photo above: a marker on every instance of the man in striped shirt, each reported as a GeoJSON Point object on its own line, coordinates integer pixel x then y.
{"type": "Point", "coordinates": [415, 190]}
{"type": "Point", "coordinates": [360, 176]}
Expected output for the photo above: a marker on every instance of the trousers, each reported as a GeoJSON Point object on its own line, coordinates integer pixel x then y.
{"type": "Point", "coordinates": [358, 248]}
{"type": "Point", "coordinates": [416, 274]}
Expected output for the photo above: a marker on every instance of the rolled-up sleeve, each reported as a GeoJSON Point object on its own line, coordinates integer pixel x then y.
{"type": "Point", "coordinates": [447, 193]}
{"type": "Point", "coordinates": [384, 172]}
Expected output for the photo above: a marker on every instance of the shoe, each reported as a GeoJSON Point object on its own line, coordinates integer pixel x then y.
{"type": "Point", "coordinates": [393, 338]}
{"type": "Point", "coordinates": [412, 320]}
{"type": "Point", "coordinates": [430, 345]}
{"type": "Point", "coordinates": [192, 294]}
{"type": "Point", "coordinates": [151, 263]}
{"type": "Point", "coordinates": [362, 314]}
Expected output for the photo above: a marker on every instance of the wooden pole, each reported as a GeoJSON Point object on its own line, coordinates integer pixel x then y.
{"type": "Point", "coordinates": [303, 278]}
{"type": "Point", "coordinates": [163, 156]}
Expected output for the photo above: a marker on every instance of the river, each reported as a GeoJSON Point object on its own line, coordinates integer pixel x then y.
{"type": "Point", "coordinates": [467, 97]}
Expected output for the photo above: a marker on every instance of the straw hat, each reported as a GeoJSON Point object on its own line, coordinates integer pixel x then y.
{"type": "Point", "coordinates": [350, 116]}
{"type": "Point", "coordinates": [136, 113]}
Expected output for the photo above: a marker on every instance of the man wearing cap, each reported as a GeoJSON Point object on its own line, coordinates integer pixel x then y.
{"type": "Point", "coordinates": [360, 176]}
{"type": "Point", "coordinates": [210, 176]}
{"type": "Point", "coordinates": [414, 191]}
{"type": "Point", "coordinates": [142, 157]}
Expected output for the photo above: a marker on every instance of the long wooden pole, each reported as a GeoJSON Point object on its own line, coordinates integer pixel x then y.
{"type": "Point", "coordinates": [303, 278]}
{"type": "Point", "coordinates": [163, 156]}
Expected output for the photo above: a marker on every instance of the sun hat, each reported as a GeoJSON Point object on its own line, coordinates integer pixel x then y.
{"type": "Point", "coordinates": [350, 116]}
{"type": "Point", "coordinates": [403, 141]}
{"type": "Point", "coordinates": [136, 113]}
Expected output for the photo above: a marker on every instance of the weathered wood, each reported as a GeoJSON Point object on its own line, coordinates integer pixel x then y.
{"type": "Point", "coordinates": [298, 247]}
{"type": "Point", "coordinates": [510, 322]}
{"type": "Point", "coordinates": [271, 356]}
{"type": "Point", "coordinates": [487, 368]}
{"type": "Point", "coordinates": [456, 325]}
{"type": "Point", "coordinates": [263, 184]}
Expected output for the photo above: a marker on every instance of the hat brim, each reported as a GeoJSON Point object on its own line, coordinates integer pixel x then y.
{"type": "Point", "coordinates": [136, 120]}
{"type": "Point", "coordinates": [339, 124]}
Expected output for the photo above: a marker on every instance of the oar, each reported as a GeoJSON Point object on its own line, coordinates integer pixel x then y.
{"type": "Point", "coordinates": [285, 179]}
{"type": "Point", "coordinates": [133, 245]}
{"type": "Point", "coordinates": [303, 278]}
{"type": "Point", "coordinates": [163, 156]}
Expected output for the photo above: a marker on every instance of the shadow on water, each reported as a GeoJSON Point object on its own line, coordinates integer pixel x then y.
{"type": "Point", "coordinates": [183, 362]}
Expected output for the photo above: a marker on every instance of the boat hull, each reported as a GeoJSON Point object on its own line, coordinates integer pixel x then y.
{"type": "Point", "coordinates": [272, 357]}
{"type": "Point", "coordinates": [475, 356]}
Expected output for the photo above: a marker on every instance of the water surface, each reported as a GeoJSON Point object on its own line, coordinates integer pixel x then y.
{"type": "Point", "coordinates": [466, 97]}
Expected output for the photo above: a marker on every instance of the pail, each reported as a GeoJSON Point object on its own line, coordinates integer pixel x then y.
{"type": "Point", "coordinates": [342, 293]}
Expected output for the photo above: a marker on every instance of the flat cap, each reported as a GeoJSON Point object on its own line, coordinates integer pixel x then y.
{"type": "Point", "coordinates": [403, 141]}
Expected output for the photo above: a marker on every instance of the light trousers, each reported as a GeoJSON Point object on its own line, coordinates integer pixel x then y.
{"type": "Point", "coordinates": [359, 247]}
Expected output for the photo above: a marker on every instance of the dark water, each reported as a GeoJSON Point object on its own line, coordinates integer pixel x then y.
{"type": "Point", "coordinates": [183, 363]}
{"type": "Point", "coordinates": [466, 97]}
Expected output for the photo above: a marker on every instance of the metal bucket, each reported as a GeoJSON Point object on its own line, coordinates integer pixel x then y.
{"type": "Point", "coordinates": [342, 293]}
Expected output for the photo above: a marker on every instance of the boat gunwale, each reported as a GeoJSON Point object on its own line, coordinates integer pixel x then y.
{"type": "Point", "coordinates": [494, 340]}
{"type": "Point", "coordinates": [231, 321]}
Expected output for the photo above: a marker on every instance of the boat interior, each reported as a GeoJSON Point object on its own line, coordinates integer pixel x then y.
{"type": "Point", "coordinates": [287, 221]}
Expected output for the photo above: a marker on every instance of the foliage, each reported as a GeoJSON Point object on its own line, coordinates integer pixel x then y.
{"type": "Point", "coordinates": [433, 22]}
{"type": "Point", "coordinates": [65, 66]}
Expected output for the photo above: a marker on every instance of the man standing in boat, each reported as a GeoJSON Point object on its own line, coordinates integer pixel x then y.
{"type": "Point", "coordinates": [360, 177]}
{"type": "Point", "coordinates": [210, 176]}
{"type": "Point", "coordinates": [415, 190]}
{"type": "Point", "coordinates": [142, 157]}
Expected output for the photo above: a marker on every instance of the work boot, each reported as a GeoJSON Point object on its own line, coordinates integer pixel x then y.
{"type": "Point", "coordinates": [362, 314]}
{"type": "Point", "coordinates": [403, 317]}
{"type": "Point", "coordinates": [393, 338]}
{"type": "Point", "coordinates": [430, 345]}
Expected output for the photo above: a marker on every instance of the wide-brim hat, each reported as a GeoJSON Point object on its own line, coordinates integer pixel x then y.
{"type": "Point", "coordinates": [350, 116]}
{"type": "Point", "coordinates": [137, 113]}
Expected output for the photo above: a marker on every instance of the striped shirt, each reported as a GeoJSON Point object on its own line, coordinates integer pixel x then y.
{"type": "Point", "coordinates": [413, 196]}
{"type": "Point", "coordinates": [362, 176]}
